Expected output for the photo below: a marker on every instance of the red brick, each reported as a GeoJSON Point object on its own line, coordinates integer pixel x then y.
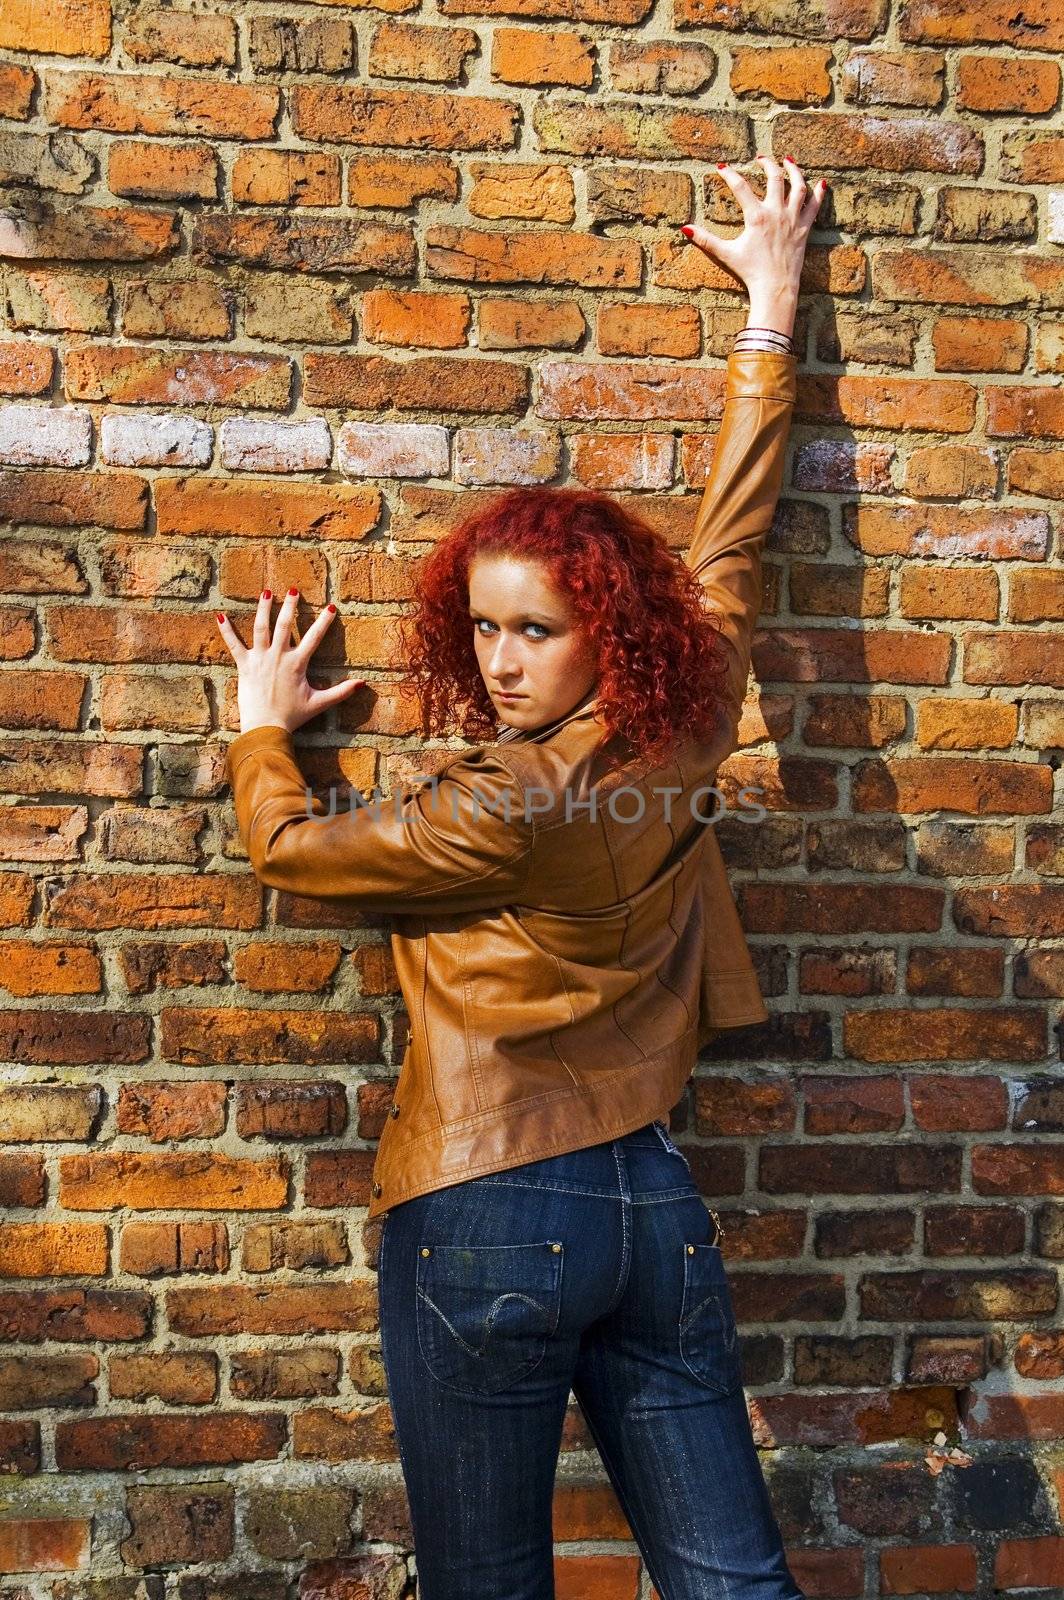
{"type": "Point", "coordinates": [286, 177]}
{"type": "Point", "coordinates": [131, 375]}
{"type": "Point", "coordinates": [423, 54]}
{"type": "Point", "coordinates": [351, 114]}
{"type": "Point", "coordinates": [475, 256]}
{"type": "Point", "coordinates": [425, 383]}
{"type": "Point", "coordinates": [428, 321]}
{"type": "Point", "coordinates": [73, 499]}
{"type": "Point", "coordinates": [525, 56]}
{"type": "Point", "coordinates": [25, 368]}
{"type": "Point", "coordinates": [194, 506]}
{"type": "Point", "coordinates": [90, 233]}
{"type": "Point", "coordinates": [162, 172]}
{"type": "Point", "coordinates": [44, 1544]}
{"type": "Point", "coordinates": [61, 28]}
{"type": "Point", "coordinates": [305, 244]}
{"type": "Point", "coordinates": [16, 90]}
{"type": "Point", "coordinates": [133, 102]}
{"type": "Point", "coordinates": [190, 40]}
{"type": "Point", "coordinates": [395, 182]}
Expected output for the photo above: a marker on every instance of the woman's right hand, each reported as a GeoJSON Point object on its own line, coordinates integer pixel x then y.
{"type": "Point", "coordinates": [767, 255]}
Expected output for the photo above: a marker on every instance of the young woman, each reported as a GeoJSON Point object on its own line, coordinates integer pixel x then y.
{"type": "Point", "coordinates": [565, 939]}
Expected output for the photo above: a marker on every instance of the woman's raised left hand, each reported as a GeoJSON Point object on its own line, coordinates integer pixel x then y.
{"type": "Point", "coordinates": [272, 687]}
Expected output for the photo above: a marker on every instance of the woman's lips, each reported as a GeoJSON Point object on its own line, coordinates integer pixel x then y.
{"type": "Point", "coordinates": [502, 694]}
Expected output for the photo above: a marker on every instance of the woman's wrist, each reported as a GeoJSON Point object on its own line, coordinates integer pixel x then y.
{"type": "Point", "coordinates": [774, 310]}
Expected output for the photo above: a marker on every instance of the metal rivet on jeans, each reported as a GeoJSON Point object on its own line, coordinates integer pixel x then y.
{"type": "Point", "coordinates": [555, 1247]}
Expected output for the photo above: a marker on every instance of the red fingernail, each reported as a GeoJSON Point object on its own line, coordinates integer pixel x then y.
{"type": "Point", "coordinates": [293, 591]}
{"type": "Point", "coordinates": [267, 594]}
{"type": "Point", "coordinates": [331, 606]}
{"type": "Point", "coordinates": [721, 164]}
{"type": "Point", "coordinates": [688, 233]}
{"type": "Point", "coordinates": [220, 615]}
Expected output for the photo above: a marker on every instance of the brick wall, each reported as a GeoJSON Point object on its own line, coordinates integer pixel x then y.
{"type": "Point", "coordinates": [284, 286]}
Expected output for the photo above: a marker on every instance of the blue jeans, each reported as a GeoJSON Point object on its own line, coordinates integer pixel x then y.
{"type": "Point", "coordinates": [597, 1271]}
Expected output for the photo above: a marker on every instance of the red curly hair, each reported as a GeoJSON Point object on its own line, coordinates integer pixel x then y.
{"type": "Point", "coordinates": [661, 662]}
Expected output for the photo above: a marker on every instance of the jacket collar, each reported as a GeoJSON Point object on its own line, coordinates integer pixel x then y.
{"type": "Point", "coordinates": [583, 711]}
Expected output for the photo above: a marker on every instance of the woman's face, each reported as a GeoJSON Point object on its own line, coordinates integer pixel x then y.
{"type": "Point", "coordinates": [527, 640]}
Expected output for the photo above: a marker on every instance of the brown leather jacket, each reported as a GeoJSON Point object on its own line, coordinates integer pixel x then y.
{"type": "Point", "coordinates": [563, 951]}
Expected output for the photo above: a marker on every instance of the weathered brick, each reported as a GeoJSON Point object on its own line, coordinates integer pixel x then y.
{"type": "Point", "coordinates": [578, 128]}
{"type": "Point", "coordinates": [619, 13]}
{"type": "Point", "coordinates": [475, 256]}
{"type": "Point", "coordinates": [89, 233]}
{"type": "Point", "coordinates": [286, 177]}
{"type": "Point", "coordinates": [529, 190]}
{"type": "Point", "coordinates": [797, 75]}
{"type": "Point", "coordinates": [73, 499]}
{"type": "Point", "coordinates": [525, 56]}
{"type": "Point", "coordinates": [506, 324]}
{"type": "Point", "coordinates": [43, 1112]}
{"type": "Point", "coordinates": [660, 68]}
{"type": "Point", "coordinates": [393, 450]}
{"type": "Point", "coordinates": [426, 321]}
{"type": "Point", "coordinates": [649, 330]}
{"type": "Point", "coordinates": [157, 1180]}
{"type": "Point", "coordinates": [283, 44]}
{"type": "Point", "coordinates": [155, 441]}
{"type": "Point", "coordinates": [130, 375]}
{"type": "Point", "coordinates": [296, 511]}
{"type": "Point", "coordinates": [44, 1544]}
{"type": "Point", "coordinates": [502, 455]}
{"type": "Point", "coordinates": [305, 244]}
{"type": "Point", "coordinates": [176, 1522]}
{"type": "Point", "coordinates": [287, 310]}
{"type": "Point", "coordinates": [136, 1443]}
{"type": "Point", "coordinates": [396, 182]}
{"type": "Point", "coordinates": [45, 436]}
{"type": "Point", "coordinates": [27, 1384]}
{"type": "Point", "coordinates": [350, 114]}
{"type": "Point", "coordinates": [56, 301]}
{"type": "Point", "coordinates": [53, 1250]}
{"type": "Point", "coordinates": [65, 28]}
{"type": "Point", "coordinates": [172, 1111]}
{"type": "Point", "coordinates": [188, 39]}
{"type": "Point", "coordinates": [638, 194]}
{"type": "Point", "coordinates": [175, 308]}
{"type": "Point", "coordinates": [426, 54]}
{"type": "Point", "coordinates": [180, 1377]}
{"type": "Point", "coordinates": [162, 171]}
{"type": "Point", "coordinates": [55, 161]}
{"type": "Point", "coordinates": [147, 103]}
{"type": "Point", "coordinates": [425, 383]}
{"type": "Point", "coordinates": [252, 446]}
{"type": "Point", "coordinates": [16, 90]}
{"type": "Point", "coordinates": [622, 460]}
{"type": "Point", "coordinates": [994, 22]}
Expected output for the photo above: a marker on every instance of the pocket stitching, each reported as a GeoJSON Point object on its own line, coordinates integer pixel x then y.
{"type": "Point", "coordinates": [730, 1348]}
{"type": "Point", "coordinates": [550, 1307]}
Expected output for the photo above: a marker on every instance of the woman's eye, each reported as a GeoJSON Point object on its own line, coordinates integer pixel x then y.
{"type": "Point", "coordinates": [479, 620]}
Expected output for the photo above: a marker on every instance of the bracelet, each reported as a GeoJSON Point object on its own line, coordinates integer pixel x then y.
{"type": "Point", "coordinates": [759, 341]}
{"type": "Point", "coordinates": [771, 334]}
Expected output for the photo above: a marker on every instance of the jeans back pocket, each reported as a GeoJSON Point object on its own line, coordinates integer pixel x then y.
{"type": "Point", "coordinates": [485, 1312]}
{"type": "Point", "coordinates": [709, 1338]}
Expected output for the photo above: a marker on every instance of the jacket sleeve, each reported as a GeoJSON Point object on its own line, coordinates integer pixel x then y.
{"type": "Point", "coordinates": [460, 842]}
{"type": "Point", "coordinates": [740, 499]}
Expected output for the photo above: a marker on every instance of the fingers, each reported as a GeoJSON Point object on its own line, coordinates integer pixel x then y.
{"type": "Point", "coordinates": [260, 633]}
{"type": "Point", "coordinates": [706, 241]}
{"type": "Point", "coordinates": [798, 187]}
{"type": "Point", "coordinates": [322, 699]}
{"type": "Point", "coordinates": [773, 181]}
{"type": "Point", "coordinates": [282, 633]}
{"type": "Point", "coordinates": [232, 639]}
{"type": "Point", "coordinates": [740, 187]}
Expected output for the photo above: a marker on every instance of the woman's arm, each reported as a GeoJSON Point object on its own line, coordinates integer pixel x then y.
{"type": "Point", "coordinates": [744, 482]}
